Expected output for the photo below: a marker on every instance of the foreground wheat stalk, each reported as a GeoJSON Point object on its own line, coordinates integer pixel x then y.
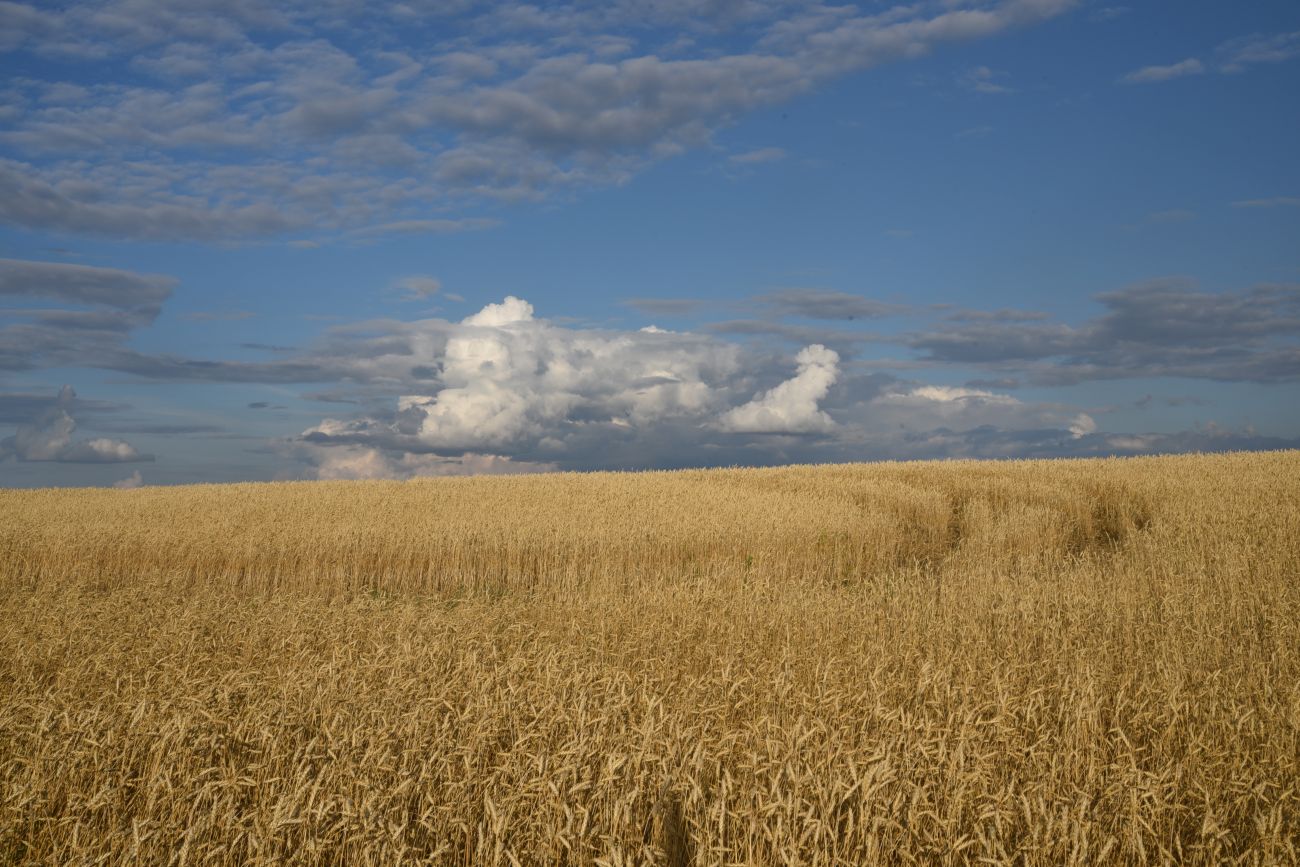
{"type": "Point", "coordinates": [1079, 662]}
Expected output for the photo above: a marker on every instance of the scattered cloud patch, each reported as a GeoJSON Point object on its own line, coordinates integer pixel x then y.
{"type": "Point", "coordinates": [418, 287]}
{"type": "Point", "coordinates": [1231, 57]}
{"type": "Point", "coordinates": [233, 123]}
{"type": "Point", "coordinates": [1237, 54]}
{"type": "Point", "coordinates": [982, 79]}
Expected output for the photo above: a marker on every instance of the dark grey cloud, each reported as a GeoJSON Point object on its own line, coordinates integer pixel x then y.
{"type": "Point", "coordinates": [823, 304]}
{"type": "Point", "coordinates": [120, 302]}
{"type": "Point", "coordinates": [48, 437]}
{"type": "Point", "coordinates": [1159, 328]}
{"type": "Point", "coordinates": [268, 347]}
{"type": "Point", "coordinates": [82, 284]}
{"type": "Point", "coordinates": [1003, 315]}
{"type": "Point", "coordinates": [21, 408]}
{"type": "Point", "coordinates": [161, 429]}
{"type": "Point", "coordinates": [666, 306]}
{"type": "Point", "coordinates": [842, 341]}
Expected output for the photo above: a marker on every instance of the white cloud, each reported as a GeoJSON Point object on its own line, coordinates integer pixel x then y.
{"type": "Point", "coordinates": [951, 394]}
{"type": "Point", "coordinates": [1149, 74]}
{"type": "Point", "coordinates": [1082, 425]}
{"type": "Point", "coordinates": [135, 480]}
{"type": "Point", "coordinates": [509, 381]}
{"type": "Point", "coordinates": [363, 462]}
{"type": "Point", "coordinates": [791, 407]}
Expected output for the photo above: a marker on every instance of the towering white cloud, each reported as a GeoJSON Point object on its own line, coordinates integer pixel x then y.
{"type": "Point", "coordinates": [510, 381]}
{"type": "Point", "coordinates": [791, 407]}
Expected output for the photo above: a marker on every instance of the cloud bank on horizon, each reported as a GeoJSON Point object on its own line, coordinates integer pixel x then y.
{"type": "Point", "coordinates": [222, 223]}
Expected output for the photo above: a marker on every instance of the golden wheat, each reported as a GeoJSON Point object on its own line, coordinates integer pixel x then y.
{"type": "Point", "coordinates": [1076, 662]}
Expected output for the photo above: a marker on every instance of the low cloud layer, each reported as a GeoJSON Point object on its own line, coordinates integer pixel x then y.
{"type": "Point", "coordinates": [515, 392]}
{"type": "Point", "coordinates": [48, 437]}
{"type": "Point", "coordinates": [505, 389]}
{"type": "Point", "coordinates": [1159, 328]}
{"type": "Point", "coordinates": [110, 305]}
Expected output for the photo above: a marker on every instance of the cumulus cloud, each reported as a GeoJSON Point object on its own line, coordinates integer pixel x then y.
{"type": "Point", "coordinates": [510, 382]}
{"type": "Point", "coordinates": [791, 407]}
{"type": "Point", "coordinates": [48, 437]}
{"type": "Point", "coordinates": [1082, 425]}
{"type": "Point", "coordinates": [135, 480]}
{"type": "Point", "coordinates": [364, 462]}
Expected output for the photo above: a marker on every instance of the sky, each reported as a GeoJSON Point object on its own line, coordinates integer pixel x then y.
{"type": "Point", "coordinates": [328, 239]}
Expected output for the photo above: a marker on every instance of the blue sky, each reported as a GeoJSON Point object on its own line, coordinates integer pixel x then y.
{"type": "Point", "coordinates": [316, 240]}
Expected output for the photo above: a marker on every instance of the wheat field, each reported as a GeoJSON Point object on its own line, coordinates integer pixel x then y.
{"type": "Point", "coordinates": [1064, 662]}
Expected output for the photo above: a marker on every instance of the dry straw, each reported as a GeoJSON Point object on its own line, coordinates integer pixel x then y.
{"type": "Point", "coordinates": [1076, 662]}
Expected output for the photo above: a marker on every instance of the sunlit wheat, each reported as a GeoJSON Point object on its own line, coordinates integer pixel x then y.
{"type": "Point", "coordinates": [1073, 662]}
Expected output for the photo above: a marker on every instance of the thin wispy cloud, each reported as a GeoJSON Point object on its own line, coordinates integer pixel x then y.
{"type": "Point", "coordinates": [757, 156]}
{"type": "Point", "coordinates": [982, 79]}
{"type": "Point", "coordinates": [1272, 202]}
{"type": "Point", "coordinates": [1152, 74]}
